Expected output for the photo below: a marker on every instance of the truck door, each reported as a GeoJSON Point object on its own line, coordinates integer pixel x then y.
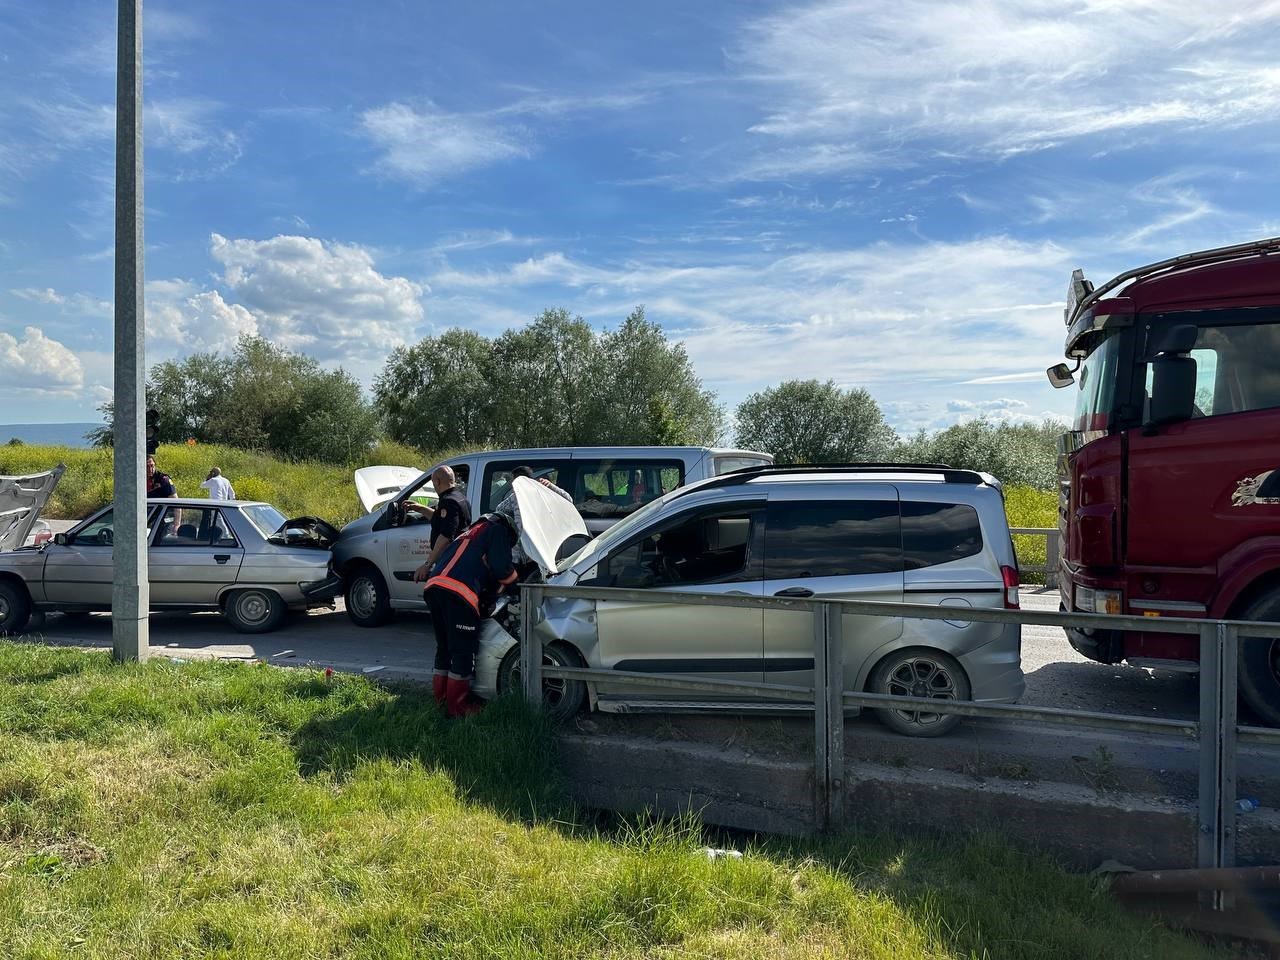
{"type": "Point", "coordinates": [1199, 488]}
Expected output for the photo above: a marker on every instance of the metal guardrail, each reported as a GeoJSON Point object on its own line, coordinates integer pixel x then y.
{"type": "Point", "coordinates": [1217, 729]}
{"type": "Point", "coordinates": [1052, 551]}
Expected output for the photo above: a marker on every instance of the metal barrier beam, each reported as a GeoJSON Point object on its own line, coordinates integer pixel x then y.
{"type": "Point", "coordinates": [1216, 847]}
{"type": "Point", "coordinates": [828, 716]}
{"type": "Point", "coordinates": [530, 652]}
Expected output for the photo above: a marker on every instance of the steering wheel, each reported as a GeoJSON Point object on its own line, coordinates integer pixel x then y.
{"type": "Point", "coordinates": [668, 570]}
{"type": "Point", "coordinates": [106, 537]}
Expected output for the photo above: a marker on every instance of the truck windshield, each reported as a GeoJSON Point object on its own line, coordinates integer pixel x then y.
{"type": "Point", "coordinates": [1097, 386]}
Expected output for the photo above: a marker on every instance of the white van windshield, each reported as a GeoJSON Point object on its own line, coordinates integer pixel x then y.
{"type": "Point", "coordinates": [616, 533]}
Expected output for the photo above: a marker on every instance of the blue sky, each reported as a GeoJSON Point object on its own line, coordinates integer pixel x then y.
{"type": "Point", "coordinates": [888, 195]}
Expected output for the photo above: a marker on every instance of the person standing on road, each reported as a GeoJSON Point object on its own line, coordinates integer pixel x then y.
{"type": "Point", "coordinates": [159, 485]}
{"type": "Point", "coordinates": [219, 487]}
{"type": "Point", "coordinates": [471, 571]}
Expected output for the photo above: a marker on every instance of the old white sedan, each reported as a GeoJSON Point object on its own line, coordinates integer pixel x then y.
{"type": "Point", "coordinates": [242, 558]}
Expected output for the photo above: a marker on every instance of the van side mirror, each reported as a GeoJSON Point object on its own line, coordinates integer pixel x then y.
{"type": "Point", "coordinates": [1173, 389]}
{"type": "Point", "coordinates": [1060, 375]}
{"type": "Point", "coordinates": [60, 539]}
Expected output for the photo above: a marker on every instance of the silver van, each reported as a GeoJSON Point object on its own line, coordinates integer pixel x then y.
{"type": "Point", "coordinates": [377, 554]}
{"type": "Point", "coordinates": [926, 535]}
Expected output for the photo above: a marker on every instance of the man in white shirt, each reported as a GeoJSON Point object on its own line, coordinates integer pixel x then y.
{"type": "Point", "coordinates": [219, 487]}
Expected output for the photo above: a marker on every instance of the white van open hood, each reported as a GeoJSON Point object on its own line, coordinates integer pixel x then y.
{"type": "Point", "coordinates": [547, 520]}
{"type": "Point", "coordinates": [21, 500]}
{"type": "Point", "coordinates": [376, 485]}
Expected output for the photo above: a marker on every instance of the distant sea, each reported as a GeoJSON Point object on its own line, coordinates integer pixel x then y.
{"type": "Point", "coordinates": [56, 434]}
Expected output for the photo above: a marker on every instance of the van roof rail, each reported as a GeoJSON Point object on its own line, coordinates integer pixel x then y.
{"type": "Point", "coordinates": [745, 474]}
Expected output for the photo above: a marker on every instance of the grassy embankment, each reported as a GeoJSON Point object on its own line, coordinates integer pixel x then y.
{"type": "Point", "coordinates": [327, 491]}
{"type": "Point", "coordinates": [225, 810]}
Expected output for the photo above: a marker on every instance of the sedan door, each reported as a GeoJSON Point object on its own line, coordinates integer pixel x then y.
{"type": "Point", "coordinates": [712, 550]}
{"type": "Point", "coordinates": [194, 554]}
{"type": "Point", "coordinates": [79, 571]}
{"type": "Point", "coordinates": [848, 549]}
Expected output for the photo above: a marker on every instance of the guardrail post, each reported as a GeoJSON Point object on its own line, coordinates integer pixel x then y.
{"type": "Point", "coordinates": [530, 647]}
{"type": "Point", "coordinates": [1217, 839]}
{"type": "Point", "coordinates": [828, 713]}
{"type": "Point", "coordinates": [1052, 548]}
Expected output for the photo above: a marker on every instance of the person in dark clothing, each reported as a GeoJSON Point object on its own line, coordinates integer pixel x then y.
{"type": "Point", "coordinates": [470, 573]}
{"type": "Point", "coordinates": [452, 515]}
{"type": "Point", "coordinates": [158, 484]}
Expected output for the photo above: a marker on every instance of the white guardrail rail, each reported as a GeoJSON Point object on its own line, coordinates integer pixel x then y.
{"type": "Point", "coordinates": [1217, 730]}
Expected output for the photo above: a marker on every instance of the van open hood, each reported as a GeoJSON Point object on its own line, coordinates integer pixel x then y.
{"type": "Point", "coordinates": [376, 485]}
{"type": "Point", "coordinates": [21, 500]}
{"type": "Point", "coordinates": [547, 522]}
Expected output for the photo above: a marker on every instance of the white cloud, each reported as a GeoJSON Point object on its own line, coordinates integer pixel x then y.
{"type": "Point", "coordinates": [326, 299]}
{"type": "Point", "coordinates": [76, 303]}
{"type": "Point", "coordinates": [904, 320]}
{"type": "Point", "coordinates": [921, 79]}
{"type": "Point", "coordinates": [425, 145]}
{"type": "Point", "coordinates": [180, 315]}
{"type": "Point", "coordinates": [39, 364]}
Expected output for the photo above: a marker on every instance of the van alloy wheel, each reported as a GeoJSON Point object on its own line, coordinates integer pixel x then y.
{"type": "Point", "coordinates": [920, 673]}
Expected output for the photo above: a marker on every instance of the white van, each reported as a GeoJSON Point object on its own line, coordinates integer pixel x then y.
{"type": "Point", "coordinates": [377, 554]}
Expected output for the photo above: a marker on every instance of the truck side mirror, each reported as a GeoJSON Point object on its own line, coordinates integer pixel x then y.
{"type": "Point", "coordinates": [1060, 376]}
{"type": "Point", "coordinates": [1173, 389]}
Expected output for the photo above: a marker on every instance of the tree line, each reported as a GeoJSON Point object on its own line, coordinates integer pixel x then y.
{"type": "Point", "coordinates": [556, 382]}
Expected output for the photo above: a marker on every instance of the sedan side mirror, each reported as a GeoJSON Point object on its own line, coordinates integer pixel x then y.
{"type": "Point", "coordinates": [60, 539]}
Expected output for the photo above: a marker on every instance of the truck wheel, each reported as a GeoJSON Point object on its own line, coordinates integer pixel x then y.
{"type": "Point", "coordinates": [562, 698]}
{"type": "Point", "coordinates": [367, 599]}
{"type": "Point", "coordinates": [919, 672]}
{"type": "Point", "coordinates": [255, 610]}
{"type": "Point", "coordinates": [1259, 668]}
{"type": "Point", "coordinates": [15, 608]}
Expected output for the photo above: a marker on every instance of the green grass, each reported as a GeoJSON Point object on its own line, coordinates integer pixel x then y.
{"type": "Point", "coordinates": [297, 488]}
{"type": "Point", "coordinates": [226, 810]}
{"type": "Point", "coordinates": [1029, 507]}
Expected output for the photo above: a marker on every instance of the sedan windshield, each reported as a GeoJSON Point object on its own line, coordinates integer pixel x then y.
{"type": "Point", "coordinates": [265, 518]}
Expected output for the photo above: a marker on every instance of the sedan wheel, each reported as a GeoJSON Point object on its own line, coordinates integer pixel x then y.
{"type": "Point", "coordinates": [561, 698]}
{"type": "Point", "coordinates": [255, 610]}
{"type": "Point", "coordinates": [920, 673]}
{"type": "Point", "coordinates": [15, 608]}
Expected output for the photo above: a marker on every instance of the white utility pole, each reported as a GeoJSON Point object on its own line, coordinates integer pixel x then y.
{"type": "Point", "coordinates": [130, 592]}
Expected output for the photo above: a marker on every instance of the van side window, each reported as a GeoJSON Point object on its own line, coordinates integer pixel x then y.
{"type": "Point", "coordinates": [497, 478]}
{"type": "Point", "coordinates": [697, 549]}
{"type": "Point", "coordinates": [934, 533]}
{"type": "Point", "coordinates": [831, 539]}
{"type": "Point", "coordinates": [614, 488]}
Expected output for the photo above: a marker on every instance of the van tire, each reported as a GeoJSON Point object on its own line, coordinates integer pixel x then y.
{"type": "Point", "coordinates": [366, 597]}
{"type": "Point", "coordinates": [561, 698]}
{"type": "Point", "coordinates": [1259, 667]}
{"type": "Point", "coordinates": [919, 671]}
{"type": "Point", "coordinates": [15, 607]}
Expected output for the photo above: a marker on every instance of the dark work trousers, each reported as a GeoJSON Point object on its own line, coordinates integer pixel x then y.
{"type": "Point", "coordinates": [457, 630]}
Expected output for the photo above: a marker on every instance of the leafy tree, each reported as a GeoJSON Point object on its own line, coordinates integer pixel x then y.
{"type": "Point", "coordinates": [649, 391]}
{"type": "Point", "coordinates": [261, 397]}
{"type": "Point", "coordinates": [1022, 453]}
{"type": "Point", "coordinates": [808, 421]}
{"type": "Point", "coordinates": [438, 394]}
{"type": "Point", "coordinates": [556, 381]}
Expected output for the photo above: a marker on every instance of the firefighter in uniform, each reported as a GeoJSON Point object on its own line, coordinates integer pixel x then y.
{"type": "Point", "coordinates": [451, 516]}
{"type": "Point", "coordinates": [469, 575]}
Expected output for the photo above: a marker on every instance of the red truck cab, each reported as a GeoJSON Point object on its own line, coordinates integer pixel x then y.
{"type": "Point", "coordinates": [1170, 474]}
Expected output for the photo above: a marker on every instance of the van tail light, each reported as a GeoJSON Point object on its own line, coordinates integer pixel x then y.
{"type": "Point", "coordinates": [1010, 575]}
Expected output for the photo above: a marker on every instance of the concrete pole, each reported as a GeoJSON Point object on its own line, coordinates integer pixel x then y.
{"type": "Point", "coordinates": [130, 592]}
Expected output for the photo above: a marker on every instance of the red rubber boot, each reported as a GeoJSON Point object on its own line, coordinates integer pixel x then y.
{"type": "Point", "coordinates": [458, 699]}
{"type": "Point", "coordinates": [439, 686]}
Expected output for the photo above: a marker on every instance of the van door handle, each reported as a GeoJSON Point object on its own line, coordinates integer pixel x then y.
{"type": "Point", "coordinates": [222, 557]}
{"type": "Point", "coordinates": [797, 592]}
